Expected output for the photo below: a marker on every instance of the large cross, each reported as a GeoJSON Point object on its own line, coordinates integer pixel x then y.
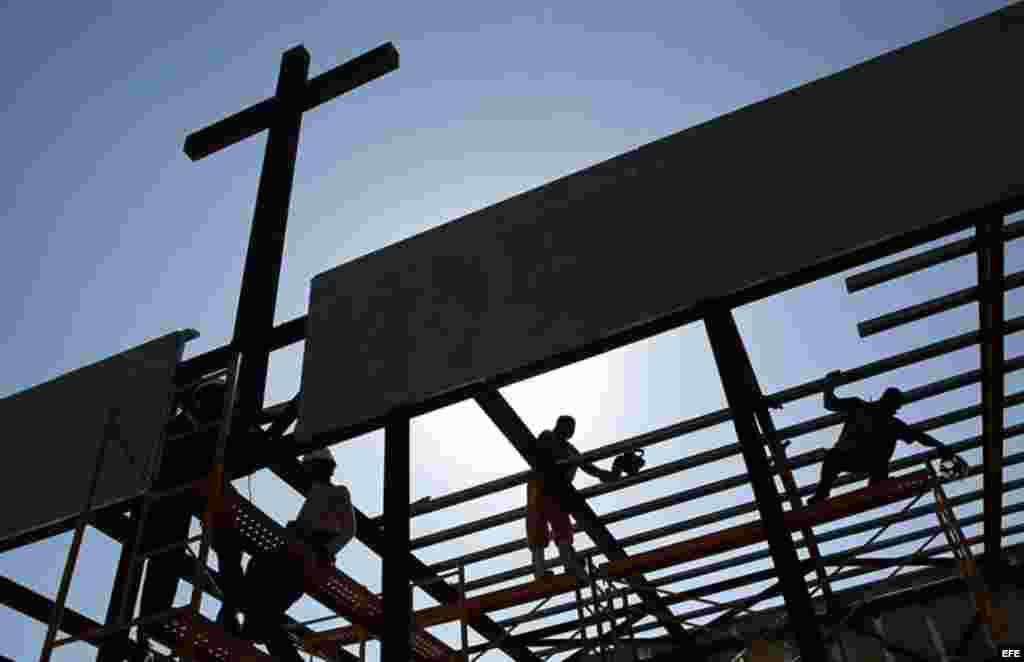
{"type": "Point", "coordinates": [282, 115]}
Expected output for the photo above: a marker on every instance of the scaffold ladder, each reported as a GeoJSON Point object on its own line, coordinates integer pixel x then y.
{"type": "Point", "coordinates": [186, 624]}
{"type": "Point", "coordinates": [987, 614]}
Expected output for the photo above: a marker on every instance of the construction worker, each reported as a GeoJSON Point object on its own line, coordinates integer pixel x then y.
{"type": "Point", "coordinates": [545, 518]}
{"type": "Point", "coordinates": [188, 456]}
{"type": "Point", "coordinates": [275, 580]}
{"type": "Point", "coordinates": [868, 438]}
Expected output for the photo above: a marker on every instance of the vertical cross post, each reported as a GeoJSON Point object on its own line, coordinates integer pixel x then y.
{"type": "Point", "coordinates": [727, 346]}
{"type": "Point", "coordinates": [397, 573]}
{"type": "Point", "coordinates": [261, 274]}
{"type": "Point", "coordinates": [282, 116]}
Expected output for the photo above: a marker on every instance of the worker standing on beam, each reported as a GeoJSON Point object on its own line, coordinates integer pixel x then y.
{"type": "Point", "coordinates": [868, 438]}
{"type": "Point", "coordinates": [275, 580]}
{"type": "Point", "coordinates": [545, 517]}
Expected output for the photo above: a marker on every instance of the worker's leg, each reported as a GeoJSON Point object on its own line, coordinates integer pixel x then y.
{"type": "Point", "coordinates": [273, 583]}
{"type": "Point", "coordinates": [229, 563]}
{"type": "Point", "coordinates": [561, 528]}
{"type": "Point", "coordinates": [878, 473]}
{"type": "Point", "coordinates": [537, 537]}
{"type": "Point", "coordinates": [830, 469]}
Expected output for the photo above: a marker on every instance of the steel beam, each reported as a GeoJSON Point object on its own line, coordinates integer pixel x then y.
{"type": "Point", "coordinates": [262, 272]}
{"type": "Point", "coordinates": [933, 350]}
{"type": "Point", "coordinates": [328, 85]}
{"type": "Point", "coordinates": [935, 306]}
{"type": "Point", "coordinates": [931, 258]}
{"type": "Point", "coordinates": [29, 603]}
{"type": "Point", "coordinates": [397, 574]}
{"type": "Point", "coordinates": [124, 581]}
{"type": "Point", "coordinates": [991, 258]}
{"type": "Point", "coordinates": [519, 435]}
{"type": "Point", "coordinates": [799, 461]}
{"type": "Point", "coordinates": [780, 465]}
{"type": "Point", "coordinates": [368, 533]}
{"type": "Point", "coordinates": [727, 347]}
{"type": "Point", "coordinates": [730, 584]}
{"type": "Point", "coordinates": [673, 320]}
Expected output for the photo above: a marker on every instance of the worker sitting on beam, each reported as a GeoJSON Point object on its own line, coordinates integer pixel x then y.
{"type": "Point", "coordinates": [544, 512]}
{"type": "Point", "coordinates": [869, 436]}
{"type": "Point", "coordinates": [275, 580]}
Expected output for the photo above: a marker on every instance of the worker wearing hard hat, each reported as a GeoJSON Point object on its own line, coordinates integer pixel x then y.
{"type": "Point", "coordinates": [275, 580]}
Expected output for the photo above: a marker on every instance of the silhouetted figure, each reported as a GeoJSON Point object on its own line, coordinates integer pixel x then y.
{"type": "Point", "coordinates": [544, 512]}
{"type": "Point", "coordinates": [274, 581]}
{"type": "Point", "coordinates": [868, 438]}
{"type": "Point", "coordinates": [188, 456]}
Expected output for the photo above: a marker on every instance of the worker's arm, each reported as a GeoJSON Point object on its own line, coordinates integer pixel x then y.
{"type": "Point", "coordinates": [348, 519]}
{"type": "Point", "coordinates": [911, 435]}
{"type": "Point", "coordinates": [591, 469]}
{"type": "Point", "coordinates": [832, 403]}
{"type": "Point", "coordinates": [597, 472]}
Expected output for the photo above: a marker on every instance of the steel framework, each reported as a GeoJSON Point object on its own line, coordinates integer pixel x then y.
{"type": "Point", "coordinates": [256, 338]}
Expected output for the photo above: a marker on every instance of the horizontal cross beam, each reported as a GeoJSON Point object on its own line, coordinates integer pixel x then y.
{"type": "Point", "coordinates": [256, 118]}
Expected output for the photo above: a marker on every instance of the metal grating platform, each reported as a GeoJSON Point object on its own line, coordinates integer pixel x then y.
{"type": "Point", "coordinates": [325, 583]}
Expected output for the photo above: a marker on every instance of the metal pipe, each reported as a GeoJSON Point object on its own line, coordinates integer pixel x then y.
{"type": "Point", "coordinates": [920, 261]}
{"type": "Point", "coordinates": [796, 462]}
{"type": "Point", "coordinates": [835, 534]}
{"type": "Point", "coordinates": [751, 578]}
{"type": "Point", "coordinates": [931, 307]}
{"type": "Point", "coordinates": [850, 376]}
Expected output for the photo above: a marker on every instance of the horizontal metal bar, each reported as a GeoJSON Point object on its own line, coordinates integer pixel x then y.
{"type": "Point", "coordinates": [106, 632]}
{"type": "Point", "coordinates": [707, 489]}
{"type": "Point", "coordinates": [874, 369]}
{"type": "Point", "coordinates": [799, 461]}
{"type": "Point", "coordinates": [702, 521]}
{"type": "Point", "coordinates": [735, 583]}
{"type": "Point", "coordinates": [169, 548]}
{"type": "Point", "coordinates": [739, 582]}
{"type": "Point", "coordinates": [898, 562]}
{"type": "Point", "coordinates": [920, 261]}
{"type": "Point", "coordinates": [760, 575]}
{"type": "Point", "coordinates": [258, 117]}
{"type": "Point", "coordinates": [931, 307]}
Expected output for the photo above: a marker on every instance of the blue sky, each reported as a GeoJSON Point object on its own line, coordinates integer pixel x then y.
{"type": "Point", "coordinates": [115, 237]}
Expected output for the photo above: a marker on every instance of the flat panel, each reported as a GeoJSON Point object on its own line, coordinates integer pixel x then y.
{"type": "Point", "coordinates": [893, 145]}
{"type": "Point", "coordinates": [54, 430]}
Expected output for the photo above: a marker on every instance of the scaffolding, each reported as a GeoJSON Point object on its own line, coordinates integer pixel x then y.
{"type": "Point", "coordinates": [620, 577]}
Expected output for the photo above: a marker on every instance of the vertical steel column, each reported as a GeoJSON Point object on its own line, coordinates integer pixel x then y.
{"type": "Point", "coordinates": [727, 345]}
{"type": "Point", "coordinates": [397, 571]}
{"type": "Point", "coordinates": [258, 299]}
{"type": "Point", "coordinates": [991, 314]}
{"type": "Point", "coordinates": [126, 587]}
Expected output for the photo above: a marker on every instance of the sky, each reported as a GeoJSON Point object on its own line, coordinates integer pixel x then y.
{"type": "Point", "coordinates": [115, 237]}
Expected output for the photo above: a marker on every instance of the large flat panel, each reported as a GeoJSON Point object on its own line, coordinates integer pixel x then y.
{"type": "Point", "coordinates": [893, 145]}
{"type": "Point", "coordinates": [53, 432]}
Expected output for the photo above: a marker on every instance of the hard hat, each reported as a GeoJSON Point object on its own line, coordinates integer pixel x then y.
{"type": "Point", "coordinates": [319, 455]}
